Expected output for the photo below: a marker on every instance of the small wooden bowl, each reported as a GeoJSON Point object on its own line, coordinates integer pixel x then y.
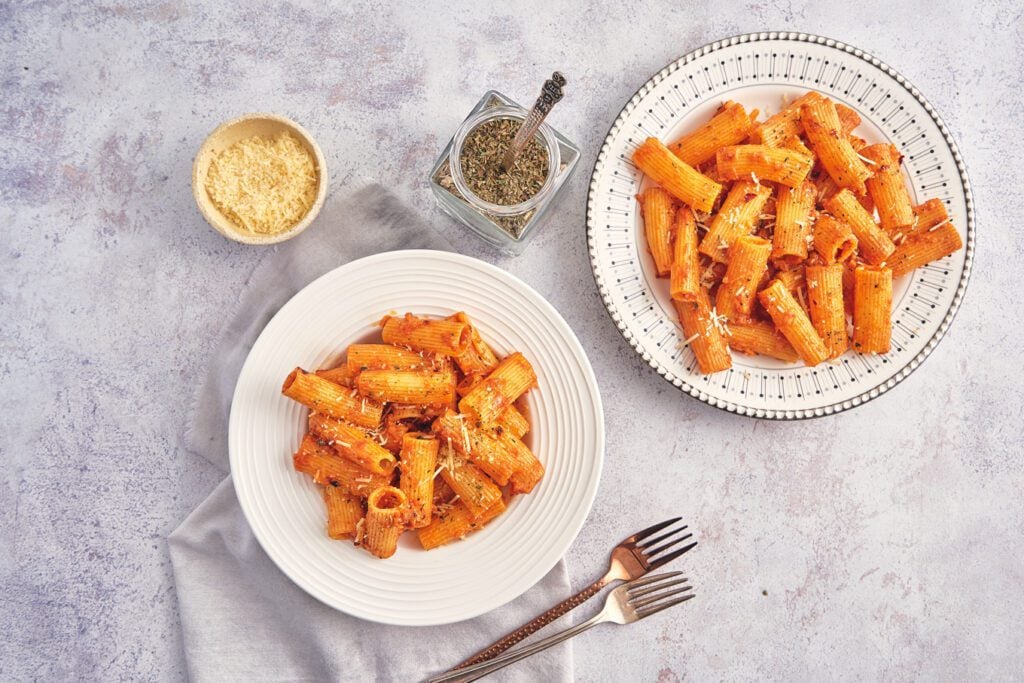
{"type": "Point", "coordinates": [227, 134]}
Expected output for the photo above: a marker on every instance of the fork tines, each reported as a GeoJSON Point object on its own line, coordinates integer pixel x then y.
{"type": "Point", "coordinates": [652, 594]}
{"type": "Point", "coordinates": [655, 554]}
{"type": "Point", "coordinates": [641, 535]}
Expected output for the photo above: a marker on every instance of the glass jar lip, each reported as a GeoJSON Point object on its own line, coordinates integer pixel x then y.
{"type": "Point", "coordinates": [490, 114]}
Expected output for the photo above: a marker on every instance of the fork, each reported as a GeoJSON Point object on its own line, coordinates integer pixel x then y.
{"type": "Point", "coordinates": [628, 603]}
{"type": "Point", "coordinates": [632, 558]}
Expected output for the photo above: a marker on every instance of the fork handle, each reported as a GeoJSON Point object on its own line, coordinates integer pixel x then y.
{"type": "Point", "coordinates": [478, 671]}
{"type": "Point", "coordinates": [528, 629]}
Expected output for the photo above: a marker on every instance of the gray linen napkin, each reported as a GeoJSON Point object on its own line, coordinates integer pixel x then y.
{"type": "Point", "coordinates": [242, 619]}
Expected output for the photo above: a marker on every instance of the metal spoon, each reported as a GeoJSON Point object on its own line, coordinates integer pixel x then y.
{"type": "Point", "coordinates": [549, 95]}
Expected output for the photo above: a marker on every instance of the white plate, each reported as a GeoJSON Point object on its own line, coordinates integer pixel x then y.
{"type": "Point", "coordinates": [463, 579]}
{"type": "Point", "coordinates": [757, 70]}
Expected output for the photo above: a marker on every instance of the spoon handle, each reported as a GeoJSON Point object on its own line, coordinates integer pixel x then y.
{"type": "Point", "coordinates": [549, 96]}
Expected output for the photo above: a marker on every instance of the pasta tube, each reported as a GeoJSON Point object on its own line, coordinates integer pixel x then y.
{"type": "Point", "coordinates": [489, 398]}
{"type": "Point", "coordinates": [394, 431]}
{"type": "Point", "coordinates": [791, 279]}
{"type": "Point", "coordinates": [418, 459]}
{"type": "Point", "coordinates": [479, 446]}
{"type": "Point", "coordinates": [478, 358]}
{"type": "Point", "coordinates": [323, 396]}
{"type": "Point", "coordinates": [748, 261]}
{"type": "Point", "coordinates": [736, 217]}
{"type": "Point", "coordinates": [474, 488]}
{"type": "Point", "coordinates": [658, 210]}
{"type": "Point", "coordinates": [343, 512]}
{"type": "Point", "coordinates": [925, 247]}
{"type": "Point", "coordinates": [872, 309]}
{"type": "Point", "coordinates": [793, 323]}
{"type": "Point", "coordinates": [327, 467]}
{"type": "Point", "coordinates": [352, 443]}
{"type": "Point", "coordinates": [453, 522]}
{"type": "Point", "coordinates": [825, 299]}
{"type": "Point", "coordinates": [513, 422]}
{"type": "Point", "coordinates": [761, 338]}
{"type": "Point", "coordinates": [848, 118]}
{"type": "Point", "coordinates": [705, 333]}
{"type": "Point", "coordinates": [761, 162]}
{"type": "Point", "coordinates": [832, 146]}
{"type": "Point", "coordinates": [784, 127]}
{"type": "Point", "coordinates": [446, 337]}
{"type": "Point", "coordinates": [729, 126]}
{"type": "Point", "coordinates": [875, 246]}
{"type": "Point", "coordinates": [681, 180]}
{"type": "Point", "coordinates": [408, 386]}
{"type": "Point", "coordinates": [833, 240]}
{"type": "Point", "coordinates": [793, 209]}
{"type": "Point", "coordinates": [887, 190]}
{"type": "Point", "coordinates": [927, 216]}
{"type": "Point", "coordinates": [685, 269]}
{"type": "Point", "coordinates": [529, 469]}
{"type": "Point", "coordinates": [386, 517]}
{"type": "Point", "coordinates": [825, 186]}
{"type": "Point", "coordinates": [362, 357]}
{"type": "Point", "coordinates": [419, 413]}
{"type": "Point", "coordinates": [339, 375]}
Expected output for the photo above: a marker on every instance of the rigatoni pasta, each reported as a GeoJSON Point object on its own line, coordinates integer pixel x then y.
{"type": "Point", "coordinates": [873, 244]}
{"type": "Point", "coordinates": [748, 261]}
{"type": "Point", "coordinates": [737, 216]}
{"type": "Point", "coordinates": [416, 464]}
{"type": "Point", "coordinates": [705, 333]}
{"type": "Point", "coordinates": [386, 518]}
{"type": "Point", "coordinates": [872, 306]}
{"type": "Point", "coordinates": [327, 467]}
{"type": "Point", "coordinates": [447, 337]}
{"type": "Point", "coordinates": [730, 125]}
{"type": "Point", "coordinates": [761, 162]}
{"type": "Point", "coordinates": [825, 301]}
{"type": "Point", "coordinates": [659, 212]}
{"type": "Point", "coordinates": [925, 247]}
{"type": "Point", "coordinates": [453, 521]}
{"type": "Point", "coordinates": [927, 216]}
{"type": "Point", "coordinates": [478, 358]}
{"type": "Point", "coordinates": [361, 357]}
{"type": "Point", "coordinates": [477, 491]}
{"type": "Point", "coordinates": [479, 446]}
{"type": "Point", "coordinates": [420, 387]}
{"type": "Point", "coordinates": [387, 447]}
{"type": "Point", "coordinates": [832, 146]}
{"type": "Point", "coordinates": [685, 269]}
{"type": "Point", "coordinates": [804, 183]}
{"type": "Point", "coordinates": [344, 510]}
{"type": "Point", "coordinates": [680, 179]}
{"type": "Point", "coordinates": [886, 188]}
{"type": "Point", "coordinates": [793, 220]}
{"type": "Point", "coordinates": [321, 395]}
{"type": "Point", "coordinates": [352, 443]}
{"type": "Point", "coordinates": [833, 240]}
{"type": "Point", "coordinates": [488, 399]}
{"type": "Point", "coordinates": [793, 323]}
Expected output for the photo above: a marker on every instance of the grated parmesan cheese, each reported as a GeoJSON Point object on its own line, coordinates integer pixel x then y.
{"type": "Point", "coordinates": [865, 159]}
{"type": "Point", "coordinates": [263, 185]}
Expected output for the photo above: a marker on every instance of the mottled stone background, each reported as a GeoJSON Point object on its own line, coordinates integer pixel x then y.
{"type": "Point", "coordinates": [883, 543]}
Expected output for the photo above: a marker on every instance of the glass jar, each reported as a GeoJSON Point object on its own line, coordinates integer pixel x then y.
{"type": "Point", "coordinates": [505, 227]}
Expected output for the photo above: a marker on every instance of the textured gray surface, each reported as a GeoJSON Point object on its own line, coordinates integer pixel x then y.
{"type": "Point", "coordinates": [882, 543]}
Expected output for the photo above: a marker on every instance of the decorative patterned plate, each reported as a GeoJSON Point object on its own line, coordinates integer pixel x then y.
{"type": "Point", "coordinates": [758, 70]}
{"type": "Point", "coordinates": [462, 579]}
